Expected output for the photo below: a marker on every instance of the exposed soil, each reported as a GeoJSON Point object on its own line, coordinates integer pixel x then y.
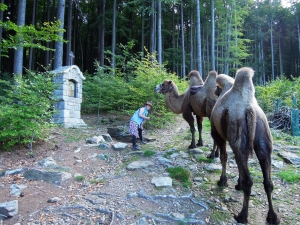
{"type": "Point", "coordinates": [102, 196]}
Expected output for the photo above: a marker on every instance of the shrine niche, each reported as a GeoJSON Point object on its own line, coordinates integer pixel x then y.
{"type": "Point", "coordinates": [69, 80]}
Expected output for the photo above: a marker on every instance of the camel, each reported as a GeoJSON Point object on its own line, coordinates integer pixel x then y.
{"type": "Point", "coordinates": [238, 119]}
{"type": "Point", "coordinates": [224, 83]}
{"type": "Point", "coordinates": [202, 98]}
{"type": "Point", "coordinates": [179, 103]}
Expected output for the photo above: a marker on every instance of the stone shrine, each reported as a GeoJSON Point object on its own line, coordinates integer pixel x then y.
{"type": "Point", "coordinates": [69, 96]}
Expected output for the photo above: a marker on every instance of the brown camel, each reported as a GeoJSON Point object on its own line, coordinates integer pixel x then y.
{"type": "Point", "coordinates": [179, 103]}
{"type": "Point", "coordinates": [238, 119]}
{"type": "Point", "coordinates": [202, 98]}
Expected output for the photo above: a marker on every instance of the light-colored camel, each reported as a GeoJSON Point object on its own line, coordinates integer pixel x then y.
{"type": "Point", "coordinates": [238, 119]}
{"type": "Point", "coordinates": [224, 83]}
{"type": "Point", "coordinates": [202, 98]}
{"type": "Point", "coordinates": [179, 103]}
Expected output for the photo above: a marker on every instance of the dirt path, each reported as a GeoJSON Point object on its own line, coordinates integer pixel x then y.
{"type": "Point", "coordinates": [109, 193]}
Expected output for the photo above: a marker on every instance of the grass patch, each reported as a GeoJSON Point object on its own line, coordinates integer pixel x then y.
{"type": "Point", "coordinates": [290, 176]}
{"type": "Point", "coordinates": [205, 149]}
{"type": "Point", "coordinates": [202, 158]}
{"type": "Point", "coordinates": [217, 217]}
{"type": "Point", "coordinates": [206, 125]}
{"type": "Point", "coordinates": [72, 135]}
{"type": "Point", "coordinates": [134, 158]}
{"type": "Point", "coordinates": [149, 153]}
{"type": "Point", "coordinates": [79, 178]}
{"type": "Point", "coordinates": [99, 181]}
{"type": "Point", "coordinates": [181, 175]}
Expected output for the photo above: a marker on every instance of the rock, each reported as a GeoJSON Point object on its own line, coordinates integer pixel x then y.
{"type": "Point", "coordinates": [119, 146]}
{"type": "Point", "coordinates": [277, 164]}
{"type": "Point", "coordinates": [212, 167]}
{"type": "Point", "coordinates": [77, 150]}
{"type": "Point", "coordinates": [95, 140]}
{"type": "Point", "coordinates": [290, 158]}
{"type": "Point", "coordinates": [120, 133]}
{"type": "Point", "coordinates": [195, 151]}
{"type": "Point", "coordinates": [48, 162]}
{"type": "Point", "coordinates": [16, 171]}
{"type": "Point", "coordinates": [139, 165]}
{"type": "Point", "coordinates": [107, 137]}
{"type": "Point", "coordinates": [9, 209]}
{"type": "Point", "coordinates": [162, 182]}
{"type": "Point", "coordinates": [184, 154]}
{"type": "Point", "coordinates": [47, 176]}
{"type": "Point", "coordinates": [54, 200]}
{"type": "Point", "coordinates": [103, 146]}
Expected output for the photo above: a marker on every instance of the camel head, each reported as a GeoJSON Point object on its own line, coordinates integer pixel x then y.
{"type": "Point", "coordinates": [194, 78]}
{"type": "Point", "coordinates": [165, 87]}
{"type": "Point", "coordinates": [243, 81]}
{"type": "Point", "coordinates": [224, 83]}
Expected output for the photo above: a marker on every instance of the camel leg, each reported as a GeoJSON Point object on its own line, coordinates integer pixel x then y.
{"type": "Point", "coordinates": [265, 163]}
{"type": "Point", "coordinates": [246, 183]}
{"type": "Point", "coordinates": [188, 116]}
{"type": "Point", "coordinates": [221, 144]}
{"type": "Point", "coordinates": [199, 123]}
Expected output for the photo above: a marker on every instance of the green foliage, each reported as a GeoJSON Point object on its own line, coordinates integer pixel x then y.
{"type": "Point", "coordinates": [290, 176]}
{"type": "Point", "coordinates": [180, 174]}
{"type": "Point", "coordinates": [28, 36]}
{"type": "Point", "coordinates": [202, 158]}
{"type": "Point", "coordinates": [79, 178]}
{"type": "Point", "coordinates": [149, 153]}
{"type": "Point", "coordinates": [25, 109]}
{"type": "Point", "coordinates": [127, 90]}
{"type": "Point", "coordinates": [280, 89]}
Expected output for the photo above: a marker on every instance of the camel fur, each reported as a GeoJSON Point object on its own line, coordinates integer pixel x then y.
{"type": "Point", "coordinates": [179, 103]}
{"type": "Point", "coordinates": [238, 119]}
{"type": "Point", "coordinates": [204, 100]}
{"type": "Point", "coordinates": [224, 83]}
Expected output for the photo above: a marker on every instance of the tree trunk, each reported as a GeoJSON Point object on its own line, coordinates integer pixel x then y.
{"type": "Point", "coordinates": [182, 40]}
{"type": "Point", "coordinates": [272, 46]}
{"type": "Point", "coordinates": [1, 19]}
{"type": "Point", "coordinates": [69, 55]}
{"type": "Point", "coordinates": [18, 57]}
{"type": "Point", "coordinates": [58, 56]}
{"type": "Point", "coordinates": [113, 44]}
{"type": "Point", "coordinates": [159, 36]}
{"type": "Point", "coordinates": [153, 26]}
{"type": "Point", "coordinates": [199, 56]}
{"type": "Point", "coordinates": [213, 35]}
{"type": "Point", "coordinates": [31, 50]}
{"type": "Point", "coordinates": [101, 32]}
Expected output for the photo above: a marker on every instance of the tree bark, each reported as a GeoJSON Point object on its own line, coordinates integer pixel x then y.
{"type": "Point", "coordinates": [18, 57]}
{"type": "Point", "coordinates": [58, 56]}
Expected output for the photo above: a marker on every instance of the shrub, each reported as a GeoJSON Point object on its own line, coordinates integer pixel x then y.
{"type": "Point", "coordinates": [110, 90]}
{"type": "Point", "coordinates": [280, 89]}
{"type": "Point", "coordinates": [26, 109]}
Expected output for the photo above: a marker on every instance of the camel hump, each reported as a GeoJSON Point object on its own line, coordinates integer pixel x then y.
{"type": "Point", "coordinates": [251, 125]}
{"type": "Point", "coordinates": [222, 80]}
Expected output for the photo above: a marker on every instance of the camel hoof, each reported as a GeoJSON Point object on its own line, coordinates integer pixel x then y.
{"type": "Point", "coordinates": [240, 218]}
{"type": "Point", "coordinates": [200, 144]}
{"type": "Point", "coordinates": [222, 183]}
{"type": "Point", "coordinates": [192, 147]}
{"type": "Point", "coordinates": [238, 187]}
{"type": "Point", "coordinates": [273, 218]}
{"type": "Point", "coordinates": [210, 156]}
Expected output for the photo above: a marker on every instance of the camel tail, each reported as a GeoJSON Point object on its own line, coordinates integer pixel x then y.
{"type": "Point", "coordinates": [251, 125]}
